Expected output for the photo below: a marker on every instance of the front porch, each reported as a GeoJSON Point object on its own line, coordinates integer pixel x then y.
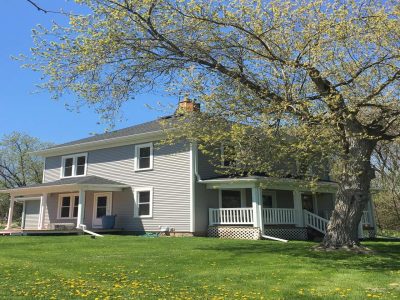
{"type": "Point", "coordinates": [64, 206]}
{"type": "Point", "coordinates": [283, 208]}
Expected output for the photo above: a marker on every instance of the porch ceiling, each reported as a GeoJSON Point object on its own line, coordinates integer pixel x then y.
{"type": "Point", "coordinates": [94, 183]}
{"type": "Point", "coordinates": [270, 183]}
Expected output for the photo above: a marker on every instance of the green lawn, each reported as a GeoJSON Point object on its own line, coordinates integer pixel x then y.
{"type": "Point", "coordinates": [191, 268]}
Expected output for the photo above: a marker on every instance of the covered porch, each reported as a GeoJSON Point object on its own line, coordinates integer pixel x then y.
{"type": "Point", "coordinates": [65, 205]}
{"type": "Point", "coordinates": [286, 207]}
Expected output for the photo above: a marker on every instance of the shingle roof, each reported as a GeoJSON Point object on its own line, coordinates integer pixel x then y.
{"type": "Point", "coordinates": [89, 180]}
{"type": "Point", "coordinates": [147, 127]}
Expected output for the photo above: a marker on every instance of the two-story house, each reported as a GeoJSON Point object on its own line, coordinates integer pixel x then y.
{"type": "Point", "coordinates": [153, 187]}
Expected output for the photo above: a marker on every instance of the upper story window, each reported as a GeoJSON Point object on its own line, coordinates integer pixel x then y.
{"type": "Point", "coordinates": [144, 157]}
{"type": "Point", "coordinates": [74, 165]}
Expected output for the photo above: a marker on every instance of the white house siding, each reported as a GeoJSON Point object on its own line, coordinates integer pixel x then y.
{"type": "Point", "coordinates": [205, 168]}
{"type": "Point", "coordinates": [52, 169]}
{"type": "Point", "coordinates": [205, 199]}
{"type": "Point", "coordinates": [170, 180]}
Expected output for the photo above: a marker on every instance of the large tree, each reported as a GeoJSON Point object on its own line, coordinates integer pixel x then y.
{"type": "Point", "coordinates": [18, 165]}
{"type": "Point", "coordinates": [325, 73]}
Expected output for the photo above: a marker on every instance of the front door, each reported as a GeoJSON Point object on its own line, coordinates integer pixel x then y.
{"type": "Point", "coordinates": [102, 206]}
{"type": "Point", "coordinates": [308, 202]}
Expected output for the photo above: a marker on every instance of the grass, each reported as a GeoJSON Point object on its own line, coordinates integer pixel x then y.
{"type": "Point", "coordinates": [127, 267]}
{"type": "Point", "coordinates": [389, 233]}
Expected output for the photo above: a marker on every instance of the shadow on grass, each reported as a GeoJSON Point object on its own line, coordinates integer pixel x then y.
{"type": "Point", "coordinates": [386, 256]}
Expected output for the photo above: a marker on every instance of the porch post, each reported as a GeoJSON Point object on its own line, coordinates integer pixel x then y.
{"type": "Point", "coordinates": [371, 209]}
{"type": "Point", "coordinates": [257, 210]}
{"type": "Point", "coordinates": [81, 209]}
{"type": "Point", "coordinates": [298, 206]}
{"type": "Point", "coordinates": [10, 212]}
{"type": "Point", "coordinates": [42, 211]}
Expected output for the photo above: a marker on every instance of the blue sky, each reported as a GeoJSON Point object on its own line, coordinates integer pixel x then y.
{"type": "Point", "coordinates": [21, 109]}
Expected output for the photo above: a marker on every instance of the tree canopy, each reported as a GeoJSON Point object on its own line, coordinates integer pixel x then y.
{"type": "Point", "coordinates": [18, 166]}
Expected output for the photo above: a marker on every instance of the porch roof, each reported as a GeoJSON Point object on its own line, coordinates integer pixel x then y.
{"type": "Point", "coordinates": [270, 183]}
{"type": "Point", "coordinates": [68, 184]}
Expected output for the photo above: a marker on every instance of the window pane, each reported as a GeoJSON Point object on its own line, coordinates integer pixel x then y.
{"type": "Point", "coordinates": [67, 171]}
{"type": "Point", "coordinates": [75, 214]}
{"type": "Point", "coordinates": [101, 211]}
{"type": "Point", "coordinates": [144, 197]}
{"type": "Point", "coordinates": [76, 200]}
{"type": "Point", "coordinates": [231, 199]}
{"type": "Point", "coordinates": [69, 162]}
{"type": "Point", "coordinates": [65, 212]}
{"type": "Point", "coordinates": [80, 170]}
{"type": "Point", "coordinates": [144, 152]}
{"type": "Point", "coordinates": [144, 163]}
{"type": "Point", "coordinates": [102, 201]}
{"type": "Point", "coordinates": [65, 201]}
{"type": "Point", "coordinates": [81, 160]}
{"type": "Point", "coordinates": [144, 209]}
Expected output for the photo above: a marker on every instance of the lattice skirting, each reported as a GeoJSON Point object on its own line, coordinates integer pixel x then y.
{"type": "Point", "coordinates": [234, 232]}
{"type": "Point", "coordinates": [287, 233]}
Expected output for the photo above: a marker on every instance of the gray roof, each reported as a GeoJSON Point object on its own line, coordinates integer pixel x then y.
{"type": "Point", "coordinates": [147, 127]}
{"type": "Point", "coordinates": [90, 180]}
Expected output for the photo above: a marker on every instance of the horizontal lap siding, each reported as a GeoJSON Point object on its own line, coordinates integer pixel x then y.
{"type": "Point", "coordinates": [170, 180]}
{"type": "Point", "coordinates": [205, 198]}
{"type": "Point", "coordinates": [52, 169]}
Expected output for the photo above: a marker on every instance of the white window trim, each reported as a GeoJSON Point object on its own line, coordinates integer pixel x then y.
{"type": "Point", "coordinates": [136, 208]}
{"type": "Point", "coordinates": [71, 205]}
{"type": "Point", "coordinates": [74, 165]}
{"type": "Point", "coordinates": [137, 151]}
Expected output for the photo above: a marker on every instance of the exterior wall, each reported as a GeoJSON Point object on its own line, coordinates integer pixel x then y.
{"type": "Point", "coordinates": [32, 209]}
{"type": "Point", "coordinates": [205, 167]}
{"type": "Point", "coordinates": [170, 180]}
{"type": "Point", "coordinates": [205, 199]}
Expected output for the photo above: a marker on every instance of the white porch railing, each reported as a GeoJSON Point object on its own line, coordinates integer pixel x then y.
{"type": "Point", "coordinates": [231, 216]}
{"type": "Point", "coordinates": [315, 221]}
{"type": "Point", "coordinates": [279, 216]}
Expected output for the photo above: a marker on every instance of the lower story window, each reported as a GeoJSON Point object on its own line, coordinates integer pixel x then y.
{"type": "Point", "coordinates": [68, 206]}
{"type": "Point", "coordinates": [143, 201]}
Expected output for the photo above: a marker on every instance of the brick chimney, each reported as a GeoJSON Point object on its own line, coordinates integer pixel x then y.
{"type": "Point", "coordinates": [187, 105]}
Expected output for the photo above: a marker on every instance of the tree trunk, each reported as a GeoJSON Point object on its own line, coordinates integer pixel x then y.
{"type": "Point", "coordinates": [352, 196]}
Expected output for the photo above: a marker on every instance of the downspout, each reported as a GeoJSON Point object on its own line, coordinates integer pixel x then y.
{"type": "Point", "coordinates": [194, 177]}
{"type": "Point", "coordinates": [196, 162]}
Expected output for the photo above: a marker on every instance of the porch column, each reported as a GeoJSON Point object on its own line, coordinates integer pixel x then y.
{"type": "Point", "coordinates": [10, 212]}
{"type": "Point", "coordinates": [81, 209]}
{"type": "Point", "coordinates": [298, 206]}
{"type": "Point", "coordinates": [371, 209]}
{"type": "Point", "coordinates": [42, 211]}
{"type": "Point", "coordinates": [257, 206]}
